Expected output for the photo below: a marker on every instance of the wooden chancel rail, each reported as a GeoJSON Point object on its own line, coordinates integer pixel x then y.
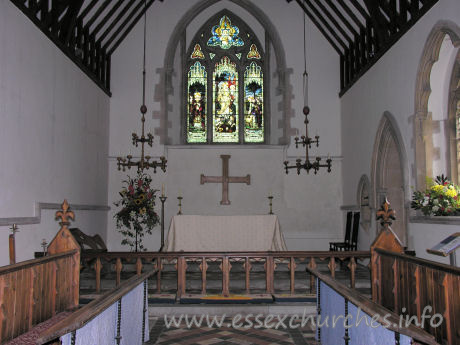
{"type": "Point", "coordinates": [36, 290]}
{"type": "Point", "coordinates": [183, 260]}
{"type": "Point", "coordinates": [354, 306]}
{"type": "Point", "coordinates": [413, 286]}
{"type": "Point", "coordinates": [116, 299]}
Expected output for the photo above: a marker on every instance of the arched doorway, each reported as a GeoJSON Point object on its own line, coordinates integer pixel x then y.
{"type": "Point", "coordinates": [389, 173]}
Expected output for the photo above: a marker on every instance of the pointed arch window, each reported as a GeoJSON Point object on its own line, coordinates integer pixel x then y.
{"type": "Point", "coordinates": [225, 84]}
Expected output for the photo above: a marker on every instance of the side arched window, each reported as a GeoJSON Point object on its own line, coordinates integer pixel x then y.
{"type": "Point", "coordinates": [225, 84]}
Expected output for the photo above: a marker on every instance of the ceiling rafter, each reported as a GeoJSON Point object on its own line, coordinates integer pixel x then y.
{"type": "Point", "coordinates": [360, 31]}
{"type": "Point", "coordinates": [374, 24]}
{"type": "Point", "coordinates": [114, 23]}
{"type": "Point", "coordinates": [318, 25]}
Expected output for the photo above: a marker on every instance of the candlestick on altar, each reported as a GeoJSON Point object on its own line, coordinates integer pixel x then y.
{"type": "Point", "coordinates": [180, 205]}
{"type": "Point", "coordinates": [12, 244]}
{"type": "Point", "coordinates": [44, 245]}
{"type": "Point", "coordinates": [162, 199]}
{"type": "Point", "coordinates": [270, 198]}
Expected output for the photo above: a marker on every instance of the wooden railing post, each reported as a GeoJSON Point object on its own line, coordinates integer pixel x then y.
{"type": "Point", "coordinates": [269, 273]}
{"type": "Point", "coordinates": [97, 268]}
{"type": "Point", "coordinates": [118, 268]}
{"type": "Point", "coordinates": [139, 266]}
{"type": "Point", "coordinates": [387, 240]}
{"type": "Point", "coordinates": [64, 242]}
{"type": "Point", "coordinates": [158, 267]}
{"type": "Point", "coordinates": [203, 268]}
{"type": "Point", "coordinates": [181, 280]}
{"type": "Point", "coordinates": [332, 266]}
{"type": "Point", "coordinates": [292, 266]}
{"type": "Point", "coordinates": [225, 267]}
{"type": "Point", "coordinates": [247, 269]}
{"type": "Point", "coordinates": [312, 265]}
{"type": "Point", "coordinates": [352, 267]}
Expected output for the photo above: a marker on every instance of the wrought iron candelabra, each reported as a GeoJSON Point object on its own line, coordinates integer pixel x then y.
{"type": "Point", "coordinates": [144, 162]}
{"type": "Point", "coordinates": [306, 142]}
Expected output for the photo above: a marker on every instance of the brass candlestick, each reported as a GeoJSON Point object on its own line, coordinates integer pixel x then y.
{"type": "Point", "coordinates": [162, 199]}
{"type": "Point", "coordinates": [44, 245]}
{"type": "Point", "coordinates": [270, 198]}
{"type": "Point", "coordinates": [180, 205]}
{"type": "Point", "coordinates": [12, 243]}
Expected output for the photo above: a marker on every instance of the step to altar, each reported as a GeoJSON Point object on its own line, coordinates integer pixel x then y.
{"type": "Point", "coordinates": [281, 309]}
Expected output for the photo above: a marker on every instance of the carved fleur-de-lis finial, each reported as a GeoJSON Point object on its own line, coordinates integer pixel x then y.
{"type": "Point", "coordinates": [386, 214]}
{"type": "Point", "coordinates": [65, 214]}
{"type": "Point", "coordinates": [14, 229]}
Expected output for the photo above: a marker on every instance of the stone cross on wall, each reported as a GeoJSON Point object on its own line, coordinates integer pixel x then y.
{"type": "Point", "coordinates": [225, 179]}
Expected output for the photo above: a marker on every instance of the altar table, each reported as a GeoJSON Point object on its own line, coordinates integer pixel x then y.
{"type": "Point", "coordinates": [191, 233]}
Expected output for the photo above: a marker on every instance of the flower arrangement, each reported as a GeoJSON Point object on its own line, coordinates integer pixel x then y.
{"type": "Point", "coordinates": [441, 198]}
{"type": "Point", "coordinates": [137, 215]}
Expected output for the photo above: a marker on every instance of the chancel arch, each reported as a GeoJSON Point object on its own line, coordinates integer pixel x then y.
{"type": "Point", "coordinates": [171, 90]}
{"type": "Point", "coordinates": [424, 126]}
{"type": "Point", "coordinates": [390, 173]}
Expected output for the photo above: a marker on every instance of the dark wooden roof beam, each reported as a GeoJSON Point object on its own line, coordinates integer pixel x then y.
{"type": "Point", "coordinates": [69, 20]}
{"type": "Point", "coordinates": [360, 8]}
{"type": "Point", "coordinates": [320, 28]}
{"type": "Point", "coordinates": [379, 22]}
{"type": "Point", "coordinates": [87, 9]}
{"type": "Point", "coordinates": [342, 18]}
{"type": "Point", "coordinates": [114, 22]}
{"type": "Point", "coordinates": [96, 15]}
{"type": "Point", "coordinates": [130, 27]}
{"type": "Point", "coordinates": [334, 22]}
{"type": "Point", "coordinates": [123, 24]}
{"type": "Point", "coordinates": [325, 23]}
{"type": "Point", "coordinates": [107, 17]}
{"type": "Point", "coordinates": [351, 14]}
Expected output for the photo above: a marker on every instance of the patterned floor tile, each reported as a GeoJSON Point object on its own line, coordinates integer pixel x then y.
{"type": "Point", "coordinates": [162, 335]}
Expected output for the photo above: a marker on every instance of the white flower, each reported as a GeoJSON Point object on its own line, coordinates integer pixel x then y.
{"type": "Point", "coordinates": [435, 208]}
{"type": "Point", "coordinates": [436, 201]}
{"type": "Point", "coordinates": [132, 214]}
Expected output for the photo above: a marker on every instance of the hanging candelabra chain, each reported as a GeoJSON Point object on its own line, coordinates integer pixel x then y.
{"type": "Point", "coordinates": [144, 161]}
{"type": "Point", "coordinates": [305, 140]}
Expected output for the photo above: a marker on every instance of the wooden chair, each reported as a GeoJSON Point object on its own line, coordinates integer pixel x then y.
{"type": "Point", "coordinates": [353, 245]}
{"type": "Point", "coordinates": [334, 246]}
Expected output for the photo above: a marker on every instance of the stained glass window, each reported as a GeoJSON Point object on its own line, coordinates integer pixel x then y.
{"type": "Point", "coordinates": [253, 52]}
{"type": "Point", "coordinates": [225, 102]}
{"type": "Point", "coordinates": [196, 115]}
{"type": "Point", "coordinates": [253, 104]}
{"type": "Point", "coordinates": [227, 59]}
{"type": "Point", "coordinates": [225, 35]}
{"type": "Point", "coordinates": [197, 53]}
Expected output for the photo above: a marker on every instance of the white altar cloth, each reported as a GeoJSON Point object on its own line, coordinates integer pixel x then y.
{"type": "Point", "coordinates": [191, 233]}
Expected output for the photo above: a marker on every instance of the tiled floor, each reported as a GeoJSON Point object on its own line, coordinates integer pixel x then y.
{"type": "Point", "coordinates": [228, 335]}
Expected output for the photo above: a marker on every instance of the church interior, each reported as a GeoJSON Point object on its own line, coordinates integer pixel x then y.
{"type": "Point", "coordinates": [213, 155]}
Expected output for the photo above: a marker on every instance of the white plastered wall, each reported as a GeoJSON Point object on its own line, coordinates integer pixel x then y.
{"type": "Point", "coordinates": [53, 135]}
{"type": "Point", "coordinates": [308, 206]}
{"type": "Point", "coordinates": [390, 86]}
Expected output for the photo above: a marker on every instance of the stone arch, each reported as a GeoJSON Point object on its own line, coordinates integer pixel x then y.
{"type": "Point", "coordinates": [364, 202]}
{"type": "Point", "coordinates": [164, 89]}
{"type": "Point", "coordinates": [390, 173]}
{"type": "Point", "coordinates": [422, 119]}
{"type": "Point", "coordinates": [453, 114]}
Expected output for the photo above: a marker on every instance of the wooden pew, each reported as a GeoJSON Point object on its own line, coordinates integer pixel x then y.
{"type": "Point", "coordinates": [36, 290]}
{"type": "Point", "coordinates": [407, 285]}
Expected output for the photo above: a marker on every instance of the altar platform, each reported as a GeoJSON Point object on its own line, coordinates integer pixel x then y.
{"type": "Point", "coordinates": [194, 233]}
